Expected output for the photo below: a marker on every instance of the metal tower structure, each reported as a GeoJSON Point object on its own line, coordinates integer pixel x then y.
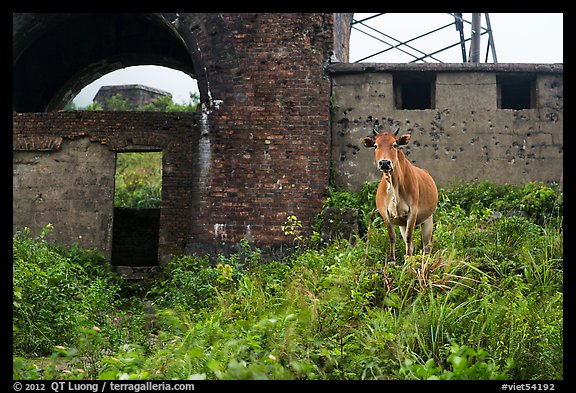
{"type": "Point", "coordinates": [410, 46]}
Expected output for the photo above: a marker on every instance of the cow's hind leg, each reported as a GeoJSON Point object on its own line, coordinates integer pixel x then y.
{"type": "Point", "coordinates": [426, 230]}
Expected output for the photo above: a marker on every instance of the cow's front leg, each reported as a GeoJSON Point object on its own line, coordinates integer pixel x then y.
{"type": "Point", "coordinates": [404, 233]}
{"type": "Point", "coordinates": [392, 239]}
{"type": "Point", "coordinates": [407, 233]}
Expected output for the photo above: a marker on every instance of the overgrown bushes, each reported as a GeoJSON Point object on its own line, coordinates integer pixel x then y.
{"type": "Point", "coordinates": [485, 304]}
{"type": "Point", "coordinates": [54, 292]}
{"type": "Point", "coordinates": [138, 180]}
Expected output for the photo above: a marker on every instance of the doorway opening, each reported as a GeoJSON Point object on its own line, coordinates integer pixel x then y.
{"type": "Point", "coordinates": [137, 200]}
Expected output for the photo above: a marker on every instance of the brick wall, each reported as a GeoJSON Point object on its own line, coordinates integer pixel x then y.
{"type": "Point", "coordinates": [70, 157]}
{"type": "Point", "coordinates": [268, 139]}
{"type": "Point", "coordinates": [257, 151]}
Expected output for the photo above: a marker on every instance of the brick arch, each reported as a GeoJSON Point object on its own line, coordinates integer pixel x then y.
{"type": "Point", "coordinates": [212, 47]}
{"type": "Point", "coordinates": [56, 55]}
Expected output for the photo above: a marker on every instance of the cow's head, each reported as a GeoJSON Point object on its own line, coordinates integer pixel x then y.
{"type": "Point", "coordinates": [386, 147]}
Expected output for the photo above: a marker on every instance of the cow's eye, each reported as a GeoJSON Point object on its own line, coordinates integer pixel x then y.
{"type": "Point", "coordinates": [375, 146]}
{"type": "Point", "coordinates": [395, 145]}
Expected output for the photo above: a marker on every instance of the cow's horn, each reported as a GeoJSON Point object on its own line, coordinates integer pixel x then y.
{"type": "Point", "coordinates": [397, 130]}
{"type": "Point", "coordinates": [375, 131]}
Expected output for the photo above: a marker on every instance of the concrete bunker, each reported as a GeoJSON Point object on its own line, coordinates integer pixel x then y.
{"type": "Point", "coordinates": [471, 121]}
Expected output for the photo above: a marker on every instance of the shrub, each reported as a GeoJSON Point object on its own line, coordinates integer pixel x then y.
{"type": "Point", "coordinates": [462, 363]}
{"type": "Point", "coordinates": [540, 203]}
{"type": "Point", "coordinates": [190, 283]}
{"type": "Point", "coordinates": [363, 201]}
{"type": "Point", "coordinates": [138, 180]}
{"type": "Point", "coordinates": [53, 293]}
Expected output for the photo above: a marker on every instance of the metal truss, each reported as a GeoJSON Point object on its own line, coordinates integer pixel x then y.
{"type": "Point", "coordinates": [408, 46]}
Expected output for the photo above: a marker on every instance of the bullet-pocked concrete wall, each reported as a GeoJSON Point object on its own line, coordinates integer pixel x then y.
{"type": "Point", "coordinates": [464, 136]}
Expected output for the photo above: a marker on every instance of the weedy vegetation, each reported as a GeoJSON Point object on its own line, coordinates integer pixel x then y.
{"type": "Point", "coordinates": [487, 303]}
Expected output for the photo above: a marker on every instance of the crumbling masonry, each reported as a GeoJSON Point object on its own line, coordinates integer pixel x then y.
{"type": "Point", "coordinates": [274, 117]}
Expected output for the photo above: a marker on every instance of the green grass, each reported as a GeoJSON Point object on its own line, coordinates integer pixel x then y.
{"type": "Point", "coordinates": [138, 180]}
{"type": "Point", "coordinates": [487, 303]}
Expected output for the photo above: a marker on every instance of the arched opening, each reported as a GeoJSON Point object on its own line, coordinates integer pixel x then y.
{"type": "Point", "coordinates": [56, 55]}
{"type": "Point", "coordinates": [148, 78]}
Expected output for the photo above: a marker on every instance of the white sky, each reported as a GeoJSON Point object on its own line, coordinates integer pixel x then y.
{"type": "Point", "coordinates": [518, 38]}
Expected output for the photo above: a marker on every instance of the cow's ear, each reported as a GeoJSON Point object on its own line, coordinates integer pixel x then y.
{"type": "Point", "coordinates": [368, 142]}
{"type": "Point", "coordinates": [403, 140]}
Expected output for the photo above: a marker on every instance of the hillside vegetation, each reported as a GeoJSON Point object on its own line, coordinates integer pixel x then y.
{"type": "Point", "coordinates": [487, 303]}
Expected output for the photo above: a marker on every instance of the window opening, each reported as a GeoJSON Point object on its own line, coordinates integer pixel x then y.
{"type": "Point", "coordinates": [516, 92]}
{"type": "Point", "coordinates": [414, 91]}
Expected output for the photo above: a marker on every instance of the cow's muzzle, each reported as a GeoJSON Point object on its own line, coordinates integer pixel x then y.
{"type": "Point", "coordinates": [385, 165]}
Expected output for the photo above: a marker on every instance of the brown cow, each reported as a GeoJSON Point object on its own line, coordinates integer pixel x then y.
{"type": "Point", "coordinates": [407, 195]}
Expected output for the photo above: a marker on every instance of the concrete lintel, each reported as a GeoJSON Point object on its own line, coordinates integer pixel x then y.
{"type": "Point", "coordinates": [342, 68]}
